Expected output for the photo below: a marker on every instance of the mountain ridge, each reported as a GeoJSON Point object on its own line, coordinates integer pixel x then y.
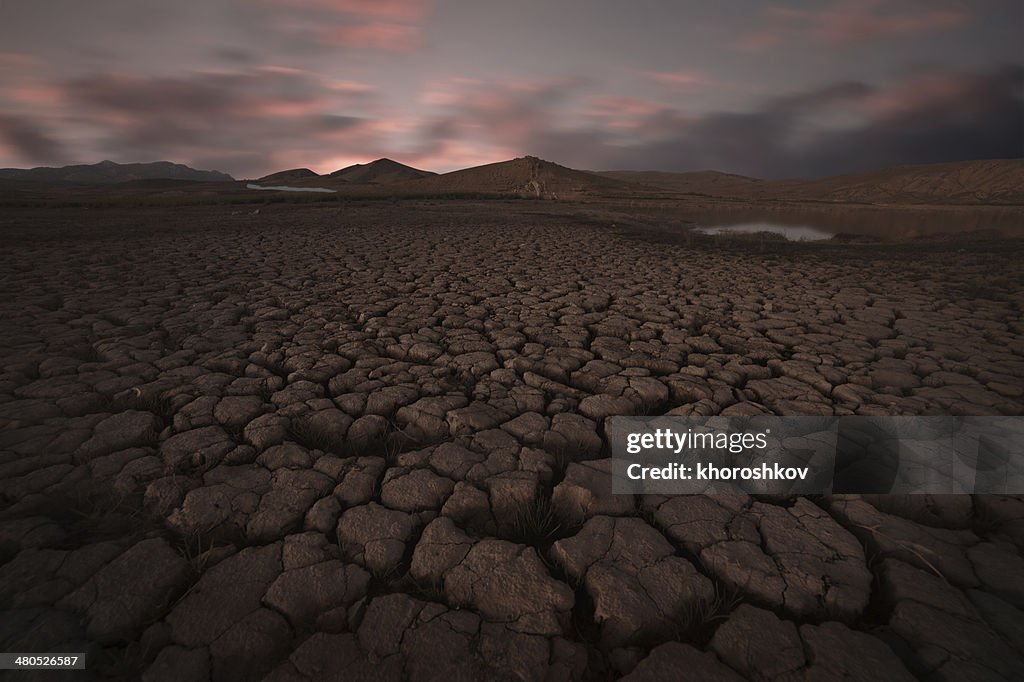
{"type": "Point", "coordinates": [382, 171]}
{"type": "Point", "coordinates": [526, 176]}
{"type": "Point", "coordinates": [110, 172]}
{"type": "Point", "coordinates": [291, 174]}
{"type": "Point", "coordinates": [998, 182]}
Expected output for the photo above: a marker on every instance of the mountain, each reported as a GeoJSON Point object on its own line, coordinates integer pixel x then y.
{"type": "Point", "coordinates": [108, 172]}
{"type": "Point", "coordinates": [289, 175]}
{"type": "Point", "coordinates": [381, 171]}
{"type": "Point", "coordinates": [998, 182]}
{"type": "Point", "coordinates": [527, 176]}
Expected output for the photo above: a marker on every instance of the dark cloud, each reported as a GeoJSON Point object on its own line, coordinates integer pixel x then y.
{"type": "Point", "coordinates": [336, 122]}
{"type": "Point", "coordinates": [159, 97]}
{"type": "Point", "coordinates": [962, 117]}
{"type": "Point", "coordinates": [253, 86]}
{"type": "Point", "coordinates": [260, 119]}
{"type": "Point", "coordinates": [240, 122]}
{"type": "Point", "coordinates": [847, 126]}
{"type": "Point", "coordinates": [234, 55]}
{"type": "Point", "coordinates": [29, 141]}
{"type": "Point", "coordinates": [834, 94]}
{"type": "Point", "coordinates": [958, 118]}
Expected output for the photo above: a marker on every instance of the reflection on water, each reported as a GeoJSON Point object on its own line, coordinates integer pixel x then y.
{"type": "Point", "coordinates": [824, 222]}
{"type": "Point", "coordinates": [286, 188]}
{"type": "Point", "coordinates": [794, 233]}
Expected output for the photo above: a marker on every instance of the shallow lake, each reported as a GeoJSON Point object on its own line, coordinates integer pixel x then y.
{"type": "Point", "coordinates": [821, 223]}
{"type": "Point", "coordinates": [286, 188]}
{"type": "Point", "coordinates": [794, 233]}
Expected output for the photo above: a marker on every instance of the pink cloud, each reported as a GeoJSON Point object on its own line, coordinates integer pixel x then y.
{"type": "Point", "coordinates": [440, 156]}
{"type": "Point", "coordinates": [685, 79]}
{"type": "Point", "coordinates": [349, 87]}
{"type": "Point", "coordinates": [624, 113]}
{"type": "Point", "coordinates": [759, 41]}
{"type": "Point", "coordinates": [407, 11]}
{"type": "Point", "coordinates": [285, 70]}
{"type": "Point", "coordinates": [484, 121]}
{"type": "Point", "coordinates": [438, 97]}
{"type": "Point", "coordinates": [455, 154]}
{"type": "Point", "coordinates": [39, 95]}
{"type": "Point", "coordinates": [626, 105]}
{"type": "Point", "coordinates": [286, 108]}
{"type": "Point", "coordinates": [948, 90]}
{"type": "Point", "coordinates": [380, 36]}
{"type": "Point", "coordinates": [848, 22]}
{"type": "Point", "coordinates": [16, 60]}
{"type": "Point", "coordinates": [388, 25]}
{"type": "Point", "coordinates": [858, 25]}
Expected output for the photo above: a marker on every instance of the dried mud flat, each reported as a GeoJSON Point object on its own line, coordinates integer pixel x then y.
{"type": "Point", "coordinates": [367, 443]}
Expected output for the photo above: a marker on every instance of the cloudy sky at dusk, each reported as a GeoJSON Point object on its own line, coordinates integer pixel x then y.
{"type": "Point", "coordinates": [775, 89]}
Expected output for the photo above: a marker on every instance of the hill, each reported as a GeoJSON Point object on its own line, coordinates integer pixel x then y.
{"type": "Point", "coordinates": [108, 172]}
{"type": "Point", "coordinates": [990, 181]}
{"type": "Point", "coordinates": [289, 175]}
{"type": "Point", "coordinates": [381, 171]}
{"type": "Point", "coordinates": [527, 176]}
{"type": "Point", "coordinates": [697, 182]}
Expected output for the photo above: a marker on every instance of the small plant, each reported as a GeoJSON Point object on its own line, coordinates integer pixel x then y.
{"type": "Point", "coordinates": [535, 522]}
{"type": "Point", "coordinates": [306, 434]}
{"type": "Point", "coordinates": [562, 457]}
{"type": "Point", "coordinates": [426, 589]}
{"type": "Point", "coordinates": [914, 548]}
{"type": "Point", "coordinates": [394, 441]}
{"type": "Point", "coordinates": [94, 505]}
{"type": "Point", "coordinates": [701, 617]}
{"type": "Point", "coordinates": [196, 552]}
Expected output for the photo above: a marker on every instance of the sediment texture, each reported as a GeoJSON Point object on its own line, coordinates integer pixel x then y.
{"type": "Point", "coordinates": [368, 443]}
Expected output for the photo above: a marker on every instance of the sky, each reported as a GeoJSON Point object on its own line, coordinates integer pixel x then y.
{"type": "Point", "coordinates": [768, 89]}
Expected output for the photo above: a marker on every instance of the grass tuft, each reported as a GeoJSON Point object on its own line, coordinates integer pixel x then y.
{"type": "Point", "coordinates": [303, 432]}
{"type": "Point", "coordinates": [535, 522]}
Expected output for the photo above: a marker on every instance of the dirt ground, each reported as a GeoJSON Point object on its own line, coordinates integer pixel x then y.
{"type": "Point", "coordinates": [367, 442]}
